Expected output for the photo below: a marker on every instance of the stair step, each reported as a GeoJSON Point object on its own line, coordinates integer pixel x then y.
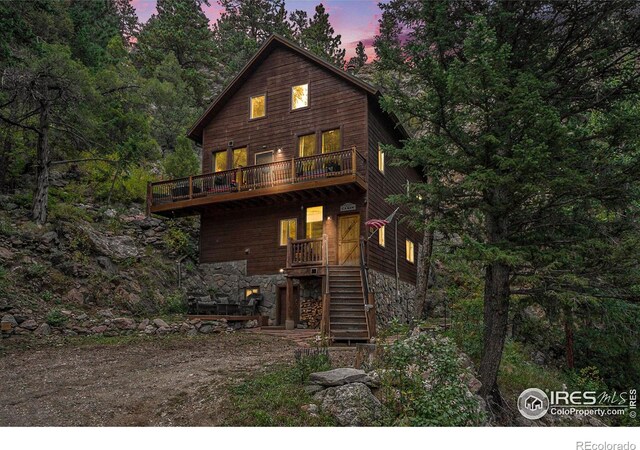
{"type": "Point", "coordinates": [356, 322]}
{"type": "Point", "coordinates": [349, 335]}
{"type": "Point", "coordinates": [357, 313]}
{"type": "Point", "coordinates": [348, 327]}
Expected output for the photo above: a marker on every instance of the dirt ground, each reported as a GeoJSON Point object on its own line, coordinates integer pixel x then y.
{"type": "Point", "coordinates": [159, 382]}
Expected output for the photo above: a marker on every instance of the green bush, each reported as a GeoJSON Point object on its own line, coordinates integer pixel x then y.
{"type": "Point", "coordinates": [175, 303]}
{"type": "Point", "coordinates": [178, 241]}
{"type": "Point", "coordinates": [309, 361]}
{"type": "Point", "coordinates": [466, 326]}
{"type": "Point", "coordinates": [55, 318]}
{"type": "Point", "coordinates": [65, 212]}
{"type": "Point", "coordinates": [183, 161]}
{"type": "Point", "coordinates": [423, 384]}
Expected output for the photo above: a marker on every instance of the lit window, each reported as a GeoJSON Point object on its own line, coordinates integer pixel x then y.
{"type": "Point", "coordinates": [300, 96]}
{"type": "Point", "coordinates": [307, 145]}
{"type": "Point", "coordinates": [288, 229]}
{"type": "Point", "coordinates": [220, 161]}
{"type": "Point", "coordinates": [239, 157]}
{"type": "Point", "coordinates": [258, 106]}
{"type": "Point", "coordinates": [264, 157]}
{"type": "Point", "coordinates": [314, 222]}
{"type": "Point", "coordinates": [250, 291]}
{"type": "Point", "coordinates": [331, 141]}
{"type": "Point", "coordinates": [410, 251]}
{"type": "Point", "coordinates": [381, 236]}
{"type": "Point", "coordinates": [380, 159]}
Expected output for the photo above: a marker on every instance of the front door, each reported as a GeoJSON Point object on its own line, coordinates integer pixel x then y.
{"type": "Point", "coordinates": [349, 240]}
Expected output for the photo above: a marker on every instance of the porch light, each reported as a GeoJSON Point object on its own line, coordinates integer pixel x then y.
{"type": "Point", "coordinates": [281, 270]}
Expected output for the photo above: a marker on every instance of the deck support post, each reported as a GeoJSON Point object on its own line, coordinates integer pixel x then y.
{"type": "Point", "coordinates": [289, 323]}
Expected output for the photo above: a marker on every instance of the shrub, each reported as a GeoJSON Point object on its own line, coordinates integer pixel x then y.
{"type": "Point", "coordinates": [309, 361]}
{"type": "Point", "coordinates": [65, 212]}
{"type": "Point", "coordinates": [183, 161]}
{"type": "Point", "coordinates": [423, 384]}
{"type": "Point", "coordinates": [178, 241]}
{"type": "Point", "coordinates": [175, 303]}
{"type": "Point", "coordinates": [55, 318]}
{"type": "Point", "coordinates": [466, 326]}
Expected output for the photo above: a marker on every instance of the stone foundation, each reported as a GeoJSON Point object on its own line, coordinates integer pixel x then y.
{"type": "Point", "coordinates": [388, 305]}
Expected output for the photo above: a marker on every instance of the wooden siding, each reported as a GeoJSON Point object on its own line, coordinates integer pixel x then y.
{"type": "Point", "coordinates": [333, 103]}
{"type": "Point", "coordinates": [253, 233]}
{"type": "Point", "coordinates": [380, 186]}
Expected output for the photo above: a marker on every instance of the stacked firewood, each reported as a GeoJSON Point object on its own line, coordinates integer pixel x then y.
{"type": "Point", "coordinates": [311, 312]}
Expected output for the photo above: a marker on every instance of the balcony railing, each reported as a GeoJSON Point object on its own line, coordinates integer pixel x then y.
{"type": "Point", "coordinates": [261, 176]}
{"type": "Point", "coordinates": [307, 252]}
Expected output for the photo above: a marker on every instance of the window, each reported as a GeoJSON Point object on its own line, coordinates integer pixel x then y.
{"type": "Point", "coordinates": [288, 229]}
{"type": "Point", "coordinates": [300, 96]}
{"type": "Point", "coordinates": [239, 157]}
{"type": "Point", "coordinates": [258, 106]}
{"type": "Point", "coordinates": [380, 159]}
{"type": "Point", "coordinates": [331, 141]}
{"type": "Point", "coordinates": [250, 291]}
{"type": "Point", "coordinates": [410, 251]}
{"type": "Point", "coordinates": [314, 222]}
{"type": "Point", "coordinates": [307, 145]}
{"type": "Point", "coordinates": [381, 236]}
{"type": "Point", "coordinates": [264, 157]}
{"type": "Point", "coordinates": [220, 161]}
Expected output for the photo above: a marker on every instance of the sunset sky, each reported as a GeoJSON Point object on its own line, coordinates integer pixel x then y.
{"type": "Point", "coordinates": [355, 20]}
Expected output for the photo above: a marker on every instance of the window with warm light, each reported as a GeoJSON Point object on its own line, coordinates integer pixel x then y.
{"type": "Point", "coordinates": [410, 249]}
{"type": "Point", "coordinates": [381, 236]}
{"type": "Point", "coordinates": [250, 291]}
{"type": "Point", "coordinates": [239, 157]}
{"type": "Point", "coordinates": [258, 107]}
{"type": "Point", "coordinates": [307, 145]}
{"type": "Point", "coordinates": [331, 141]}
{"type": "Point", "coordinates": [300, 96]}
{"type": "Point", "coordinates": [220, 161]}
{"type": "Point", "coordinates": [288, 229]}
{"type": "Point", "coordinates": [380, 159]}
{"type": "Point", "coordinates": [314, 222]}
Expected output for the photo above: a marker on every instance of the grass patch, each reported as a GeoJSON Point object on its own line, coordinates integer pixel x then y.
{"type": "Point", "coordinates": [273, 398]}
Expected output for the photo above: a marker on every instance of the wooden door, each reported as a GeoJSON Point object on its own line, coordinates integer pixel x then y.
{"type": "Point", "coordinates": [349, 240]}
{"type": "Point", "coordinates": [282, 305]}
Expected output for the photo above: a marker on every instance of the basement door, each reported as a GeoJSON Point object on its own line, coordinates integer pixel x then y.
{"type": "Point", "coordinates": [349, 240]}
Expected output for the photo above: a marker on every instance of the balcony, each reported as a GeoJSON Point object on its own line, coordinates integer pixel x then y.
{"type": "Point", "coordinates": [188, 195]}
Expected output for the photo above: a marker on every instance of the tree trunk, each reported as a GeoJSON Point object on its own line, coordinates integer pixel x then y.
{"type": "Point", "coordinates": [41, 195]}
{"type": "Point", "coordinates": [424, 305]}
{"type": "Point", "coordinates": [496, 312]}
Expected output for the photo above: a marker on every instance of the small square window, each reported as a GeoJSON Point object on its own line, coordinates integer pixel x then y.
{"type": "Point", "coordinates": [381, 236]}
{"type": "Point", "coordinates": [258, 107]}
{"type": "Point", "coordinates": [410, 249]}
{"type": "Point", "coordinates": [288, 229]}
{"type": "Point", "coordinates": [380, 159]}
{"type": "Point", "coordinates": [264, 157]}
{"type": "Point", "coordinates": [300, 96]}
{"type": "Point", "coordinates": [250, 291]}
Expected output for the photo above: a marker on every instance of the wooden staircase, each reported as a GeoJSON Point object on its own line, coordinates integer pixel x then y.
{"type": "Point", "coordinates": [347, 317]}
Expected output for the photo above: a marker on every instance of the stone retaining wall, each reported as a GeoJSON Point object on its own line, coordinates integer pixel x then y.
{"type": "Point", "coordinates": [388, 305]}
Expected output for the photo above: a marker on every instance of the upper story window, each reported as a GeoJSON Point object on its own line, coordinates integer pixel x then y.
{"type": "Point", "coordinates": [410, 249]}
{"type": "Point", "coordinates": [381, 236]}
{"type": "Point", "coordinates": [239, 157]}
{"type": "Point", "coordinates": [258, 106]}
{"type": "Point", "coordinates": [380, 159]}
{"type": "Point", "coordinates": [220, 161]}
{"type": "Point", "coordinates": [300, 96]}
{"type": "Point", "coordinates": [314, 218]}
{"type": "Point", "coordinates": [331, 140]}
{"type": "Point", "coordinates": [288, 230]}
{"type": "Point", "coordinates": [307, 145]}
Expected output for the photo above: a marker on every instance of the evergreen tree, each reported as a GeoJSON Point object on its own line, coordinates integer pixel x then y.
{"type": "Point", "coordinates": [359, 60]}
{"type": "Point", "coordinates": [94, 23]}
{"type": "Point", "coordinates": [531, 160]}
{"type": "Point", "coordinates": [317, 35]}
{"type": "Point", "coordinates": [183, 162]}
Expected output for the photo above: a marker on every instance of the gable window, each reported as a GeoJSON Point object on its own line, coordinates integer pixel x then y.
{"type": "Point", "coordinates": [410, 249]}
{"type": "Point", "coordinates": [300, 96]}
{"type": "Point", "coordinates": [239, 157]}
{"type": "Point", "coordinates": [258, 106]}
{"type": "Point", "coordinates": [307, 145]}
{"type": "Point", "coordinates": [264, 157]}
{"type": "Point", "coordinates": [314, 222]}
{"type": "Point", "coordinates": [331, 141]}
{"type": "Point", "coordinates": [380, 159]}
{"type": "Point", "coordinates": [220, 161]}
{"type": "Point", "coordinates": [381, 236]}
{"type": "Point", "coordinates": [288, 229]}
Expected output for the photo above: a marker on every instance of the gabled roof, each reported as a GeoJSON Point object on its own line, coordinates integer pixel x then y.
{"type": "Point", "coordinates": [267, 47]}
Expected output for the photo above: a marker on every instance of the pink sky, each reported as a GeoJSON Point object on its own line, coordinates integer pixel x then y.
{"type": "Point", "coordinates": [355, 20]}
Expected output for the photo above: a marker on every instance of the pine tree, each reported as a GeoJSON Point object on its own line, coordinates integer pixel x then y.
{"type": "Point", "coordinates": [317, 35]}
{"type": "Point", "coordinates": [531, 160]}
{"type": "Point", "coordinates": [359, 60]}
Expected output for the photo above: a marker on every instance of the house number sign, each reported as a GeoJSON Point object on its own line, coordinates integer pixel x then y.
{"type": "Point", "coordinates": [348, 207]}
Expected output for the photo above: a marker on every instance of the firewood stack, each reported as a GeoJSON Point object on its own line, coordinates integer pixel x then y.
{"type": "Point", "coordinates": [311, 312]}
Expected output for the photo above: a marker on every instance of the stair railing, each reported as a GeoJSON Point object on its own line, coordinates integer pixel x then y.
{"type": "Point", "coordinates": [325, 327]}
{"type": "Point", "coordinates": [369, 303]}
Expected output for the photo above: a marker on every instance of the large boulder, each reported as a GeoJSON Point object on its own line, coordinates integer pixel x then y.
{"type": "Point", "coordinates": [341, 376]}
{"type": "Point", "coordinates": [115, 247]}
{"type": "Point", "coordinates": [350, 404]}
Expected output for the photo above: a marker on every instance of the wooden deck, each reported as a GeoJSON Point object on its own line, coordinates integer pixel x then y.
{"type": "Point", "coordinates": [189, 195]}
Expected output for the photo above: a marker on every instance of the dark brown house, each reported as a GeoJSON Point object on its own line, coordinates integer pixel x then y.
{"type": "Point", "coordinates": [291, 171]}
